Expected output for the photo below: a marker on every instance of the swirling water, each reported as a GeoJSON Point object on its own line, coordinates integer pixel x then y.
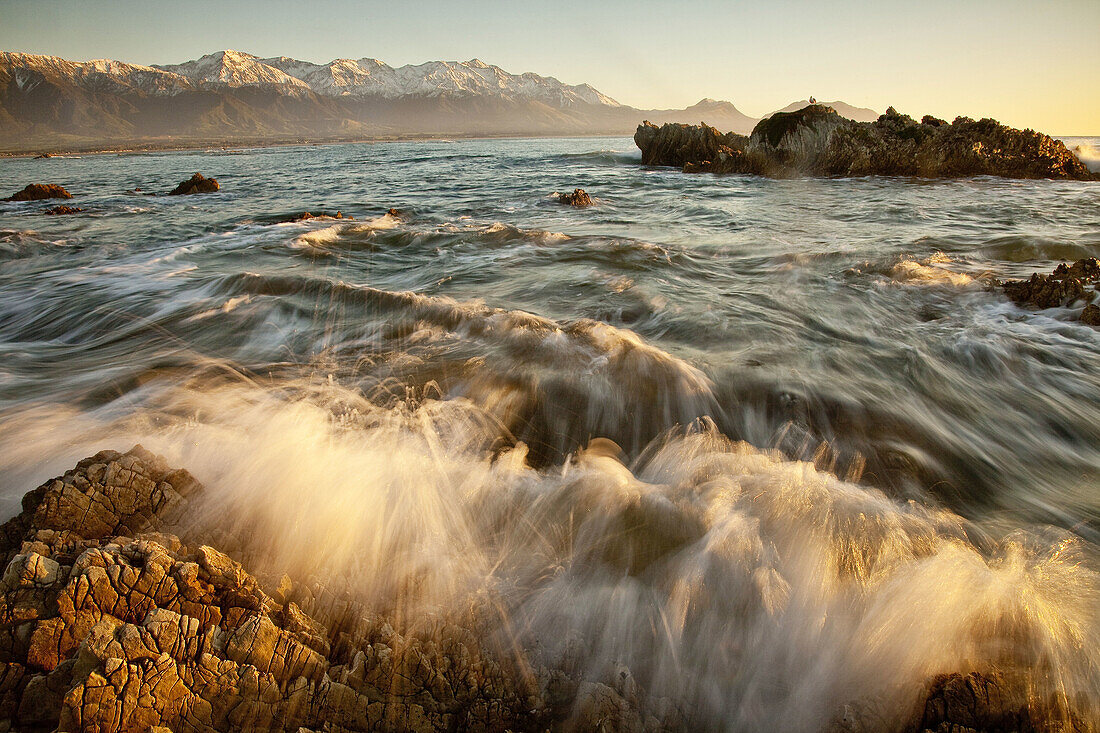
{"type": "Point", "coordinates": [494, 393]}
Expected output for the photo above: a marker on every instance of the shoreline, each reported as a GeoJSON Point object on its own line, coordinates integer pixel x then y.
{"type": "Point", "coordinates": [137, 147]}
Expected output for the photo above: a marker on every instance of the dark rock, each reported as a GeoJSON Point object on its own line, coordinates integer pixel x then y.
{"type": "Point", "coordinates": [577, 198]}
{"type": "Point", "coordinates": [1091, 315]}
{"type": "Point", "coordinates": [40, 191]}
{"type": "Point", "coordinates": [992, 704]}
{"type": "Point", "coordinates": [57, 210]}
{"type": "Point", "coordinates": [42, 155]}
{"type": "Point", "coordinates": [816, 141]}
{"type": "Point", "coordinates": [781, 127]}
{"type": "Point", "coordinates": [195, 184]}
{"type": "Point", "coordinates": [677, 144]}
{"type": "Point", "coordinates": [1065, 285]}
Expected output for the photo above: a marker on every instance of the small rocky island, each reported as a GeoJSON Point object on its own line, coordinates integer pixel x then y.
{"type": "Point", "coordinates": [816, 141]}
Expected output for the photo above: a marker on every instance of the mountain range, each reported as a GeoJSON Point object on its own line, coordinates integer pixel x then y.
{"type": "Point", "coordinates": [232, 97]}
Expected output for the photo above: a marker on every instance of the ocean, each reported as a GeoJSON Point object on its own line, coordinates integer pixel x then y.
{"type": "Point", "coordinates": [768, 444]}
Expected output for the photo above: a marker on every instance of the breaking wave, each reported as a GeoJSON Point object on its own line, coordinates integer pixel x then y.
{"type": "Point", "coordinates": [753, 591]}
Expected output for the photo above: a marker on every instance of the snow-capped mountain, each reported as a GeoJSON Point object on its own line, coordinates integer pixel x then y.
{"type": "Point", "coordinates": [230, 96]}
{"type": "Point", "coordinates": [368, 77]}
{"type": "Point", "coordinates": [235, 69]}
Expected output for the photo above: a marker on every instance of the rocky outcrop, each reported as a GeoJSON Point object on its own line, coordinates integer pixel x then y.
{"type": "Point", "coordinates": [578, 198]}
{"type": "Point", "coordinates": [39, 192]}
{"type": "Point", "coordinates": [677, 144]}
{"type": "Point", "coordinates": [109, 623]}
{"type": "Point", "coordinates": [816, 141]}
{"type": "Point", "coordinates": [61, 210]}
{"type": "Point", "coordinates": [195, 184]}
{"type": "Point", "coordinates": [1065, 286]}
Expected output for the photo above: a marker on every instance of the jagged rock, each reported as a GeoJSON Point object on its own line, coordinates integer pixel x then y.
{"type": "Point", "coordinates": [42, 155]}
{"type": "Point", "coordinates": [107, 624]}
{"type": "Point", "coordinates": [40, 191]}
{"type": "Point", "coordinates": [578, 198]}
{"type": "Point", "coordinates": [195, 184]}
{"type": "Point", "coordinates": [106, 495]}
{"type": "Point", "coordinates": [678, 144]}
{"type": "Point", "coordinates": [1067, 284]}
{"type": "Point", "coordinates": [816, 141]}
{"type": "Point", "coordinates": [58, 210]}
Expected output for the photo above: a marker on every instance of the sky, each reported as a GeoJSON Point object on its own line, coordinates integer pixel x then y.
{"type": "Point", "coordinates": [1027, 64]}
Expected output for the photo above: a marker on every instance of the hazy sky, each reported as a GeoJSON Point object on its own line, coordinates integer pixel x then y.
{"type": "Point", "coordinates": [1028, 64]}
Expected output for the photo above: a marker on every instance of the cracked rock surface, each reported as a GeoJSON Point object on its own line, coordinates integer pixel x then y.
{"type": "Point", "coordinates": [110, 623]}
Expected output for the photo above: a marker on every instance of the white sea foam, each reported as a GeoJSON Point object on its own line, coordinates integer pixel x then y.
{"type": "Point", "coordinates": [933, 270]}
{"type": "Point", "coordinates": [1089, 155]}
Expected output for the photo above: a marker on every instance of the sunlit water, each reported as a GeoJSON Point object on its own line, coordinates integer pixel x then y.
{"type": "Point", "coordinates": [399, 406]}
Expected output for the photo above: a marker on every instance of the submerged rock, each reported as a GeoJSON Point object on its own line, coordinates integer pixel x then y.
{"type": "Point", "coordinates": [578, 198]}
{"type": "Point", "coordinates": [305, 216]}
{"type": "Point", "coordinates": [816, 141]}
{"type": "Point", "coordinates": [1066, 285]}
{"type": "Point", "coordinates": [195, 184]}
{"type": "Point", "coordinates": [1091, 315]}
{"type": "Point", "coordinates": [39, 192]}
{"type": "Point", "coordinates": [58, 210]}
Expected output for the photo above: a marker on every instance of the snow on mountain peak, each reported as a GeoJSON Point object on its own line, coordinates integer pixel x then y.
{"type": "Point", "coordinates": [234, 69]}
{"type": "Point", "coordinates": [365, 77]}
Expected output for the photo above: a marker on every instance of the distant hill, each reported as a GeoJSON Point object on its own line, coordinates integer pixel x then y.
{"type": "Point", "coordinates": [722, 115]}
{"type": "Point", "coordinates": [231, 97]}
{"type": "Point", "coordinates": [859, 114]}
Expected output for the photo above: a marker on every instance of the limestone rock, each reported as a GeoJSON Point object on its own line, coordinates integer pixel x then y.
{"type": "Point", "coordinates": [108, 494]}
{"type": "Point", "coordinates": [40, 191]}
{"type": "Point", "coordinates": [195, 184]}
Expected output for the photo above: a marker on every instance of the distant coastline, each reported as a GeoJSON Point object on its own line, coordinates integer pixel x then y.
{"type": "Point", "coordinates": [140, 146]}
